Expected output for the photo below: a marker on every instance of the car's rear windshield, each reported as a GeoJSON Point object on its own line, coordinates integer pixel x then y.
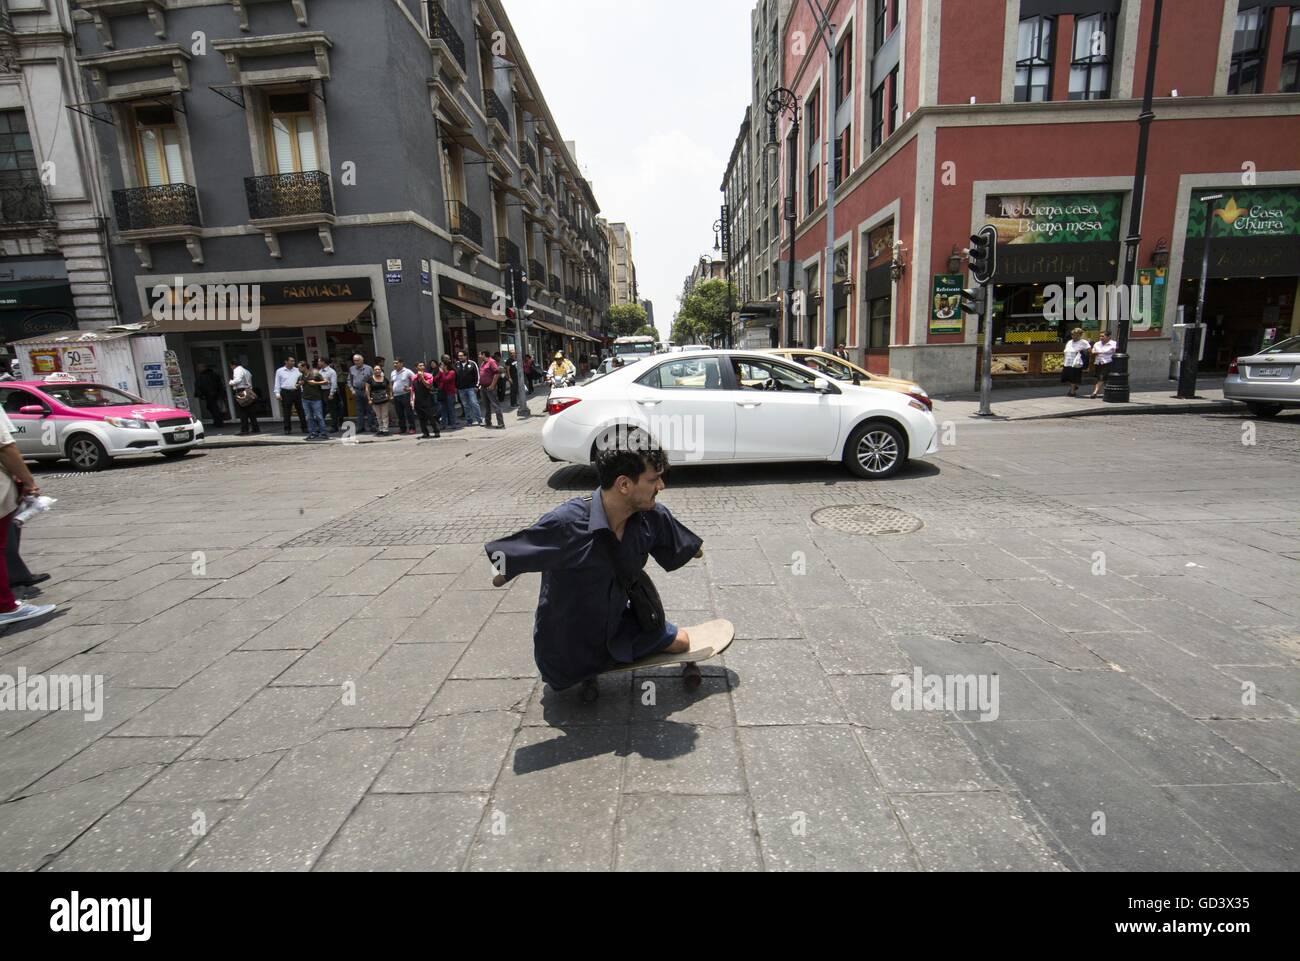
{"type": "Point", "coordinates": [1289, 346]}
{"type": "Point", "coordinates": [90, 395]}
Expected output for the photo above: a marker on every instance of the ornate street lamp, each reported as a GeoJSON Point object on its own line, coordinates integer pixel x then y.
{"type": "Point", "coordinates": [783, 100]}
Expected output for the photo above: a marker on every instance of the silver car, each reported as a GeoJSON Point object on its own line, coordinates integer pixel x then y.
{"type": "Point", "coordinates": [1267, 381]}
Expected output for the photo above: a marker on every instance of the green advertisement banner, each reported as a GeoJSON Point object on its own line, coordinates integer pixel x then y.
{"type": "Point", "coordinates": [1157, 279]}
{"type": "Point", "coordinates": [1055, 218]}
{"type": "Point", "coordinates": [945, 304]}
{"type": "Point", "coordinates": [1249, 212]}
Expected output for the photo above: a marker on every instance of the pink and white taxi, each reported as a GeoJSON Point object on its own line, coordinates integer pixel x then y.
{"type": "Point", "coordinates": [91, 423]}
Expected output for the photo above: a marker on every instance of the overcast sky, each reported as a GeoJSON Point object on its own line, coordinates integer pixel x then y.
{"type": "Point", "coordinates": [653, 93]}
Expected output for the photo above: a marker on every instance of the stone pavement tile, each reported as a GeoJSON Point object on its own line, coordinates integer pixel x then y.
{"type": "Point", "coordinates": [206, 699]}
{"type": "Point", "coordinates": [953, 582]}
{"type": "Point", "coordinates": [555, 802]}
{"type": "Point", "coordinates": [1271, 743]}
{"type": "Point", "coordinates": [307, 626]}
{"type": "Point", "coordinates": [1076, 573]}
{"type": "Point", "coordinates": [274, 719]}
{"type": "Point", "coordinates": [1018, 697]}
{"type": "Point", "coordinates": [1022, 544]}
{"type": "Point", "coordinates": [664, 833]}
{"type": "Point", "coordinates": [283, 598]}
{"type": "Point", "coordinates": [1198, 634]}
{"type": "Point", "coordinates": [254, 580]}
{"type": "Point", "coordinates": [451, 559]}
{"type": "Point", "coordinates": [52, 649]}
{"type": "Point", "coordinates": [179, 662]}
{"type": "Point", "coordinates": [1288, 605]}
{"type": "Point", "coordinates": [1064, 608]}
{"type": "Point", "coordinates": [1280, 683]}
{"type": "Point", "coordinates": [503, 648]}
{"type": "Point", "coordinates": [1214, 601]}
{"type": "Point", "coordinates": [861, 562]}
{"type": "Point", "coordinates": [163, 630]}
{"type": "Point", "coordinates": [410, 596]}
{"type": "Point", "coordinates": [910, 547]}
{"type": "Point", "coordinates": [193, 539]}
{"type": "Point", "coordinates": [848, 640]}
{"type": "Point", "coordinates": [670, 699]}
{"type": "Point", "coordinates": [224, 564]}
{"type": "Point", "coordinates": [35, 750]}
{"type": "Point", "coordinates": [1164, 745]}
{"type": "Point", "coordinates": [372, 577]}
{"type": "Point", "coordinates": [868, 702]}
{"type": "Point", "coordinates": [396, 688]}
{"type": "Point", "coordinates": [756, 612]}
{"type": "Point", "coordinates": [202, 781]}
{"type": "Point", "coordinates": [127, 564]}
{"type": "Point", "coordinates": [477, 576]}
{"type": "Point", "coordinates": [459, 753]}
{"type": "Point", "coordinates": [34, 830]}
{"type": "Point", "coordinates": [991, 563]}
{"type": "Point", "coordinates": [1025, 640]}
{"type": "Point", "coordinates": [817, 805]}
{"type": "Point", "coordinates": [903, 607]}
{"type": "Point", "coordinates": [456, 616]}
{"type": "Point", "coordinates": [810, 586]}
{"type": "Point", "coordinates": [346, 654]}
{"type": "Point", "coordinates": [922, 757]}
{"type": "Point", "coordinates": [780, 683]}
{"type": "Point", "coordinates": [488, 694]}
{"type": "Point", "coordinates": [972, 832]}
{"type": "Point", "coordinates": [289, 818]}
{"type": "Point", "coordinates": [112, 754]}
{"type": "Point", "coordinates": [406, 832]}
{"type": "Point", "coordinates": [671, 757]}
{"type": "Point", "coordinates": [342, 563]}
{"type": "Point", "coordinates": [1256, 822]}
{"type": "Point", "coordinates": [521, 596]}
{"type": "Point", "coordinates": [1190, 683]}
{"type": "Point", "coordinates": [148, 605]}
{"type": "Point", "coordinates": [564, 709]}
{"type": "Point", "coordinates": [133, 585]}
{"type": "Point", "coordinates": [1069, 777]}
{"type": "Point", "coordinates": [745, 567]}
{"type": "Point", "coordinates": [140, 837]}
{"type": "Point", "coordinates": [684, 589]}
{"type": "Point", "coordinates": [406, 551]}
{"type": "Point", "coordinates": [731, 542]}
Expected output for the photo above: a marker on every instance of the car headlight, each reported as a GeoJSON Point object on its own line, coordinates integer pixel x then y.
{"type": "Point", "coordinates": [129, 422]}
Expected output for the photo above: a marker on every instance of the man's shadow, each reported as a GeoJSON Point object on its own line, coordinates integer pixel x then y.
{"type": "Point", "coordinates": [620, 722]}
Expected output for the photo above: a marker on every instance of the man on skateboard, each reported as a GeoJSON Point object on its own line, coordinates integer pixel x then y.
{"type": "Point", "coordinates": [585, 624]}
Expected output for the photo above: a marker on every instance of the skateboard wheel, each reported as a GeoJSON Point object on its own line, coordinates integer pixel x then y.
{"type": "Point", "coordinates": [691, 676]}
{"type": "Point", "coordinates": [590, 690]}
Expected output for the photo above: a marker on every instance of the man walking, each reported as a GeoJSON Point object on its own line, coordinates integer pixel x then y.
{"type": "Point", "coordinates": [489, 378]}
{"type": "Point", "coordinates": [287, 379]}
{"type": "Point", "coordinates": [241, 382]}
{"type": "Point", "coordinates": [331, 392]}
{"type": "Point", "coordinates": [467, 381]}
{"type": "Point", "coordinates": [358, 374]}
{"type": "Point", "coordinates": [314, 387]}
{"type": "Point", "coordinates": [401, 380]}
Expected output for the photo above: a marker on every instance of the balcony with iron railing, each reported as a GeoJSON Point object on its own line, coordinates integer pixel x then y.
{"type": "Point", "coordinates": [553, 284]}
{"type": "Point", "coordinates": [571, 294]}
{"type": "Point", "coordinates": [537, 272]}
{"type": "Point", "coordinates": [304, 195]}
{"type": "Point", "coordinates": [528, 156]}
{"type": "Point", "coordinates": [441, 32]}
{"type": "Point", "coordinates": [24, 202]}
{"type": "Point", "coordinates": [548, 187]}
{"type": "Point", "coordinates": [160, 208]}
{"type": "Point", "coordinates": [497, 114]}
{"type": "Point", "coordinates": [507, 251]}
{"type": "Point", "coordinates": [464, 223]}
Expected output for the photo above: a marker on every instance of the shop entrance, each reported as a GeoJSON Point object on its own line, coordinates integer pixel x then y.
{"type": "Point", "coordinates": [1239, 312]}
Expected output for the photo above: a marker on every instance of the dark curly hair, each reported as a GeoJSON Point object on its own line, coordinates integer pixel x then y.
{"type": "Point", "coordinates": [627, 454]}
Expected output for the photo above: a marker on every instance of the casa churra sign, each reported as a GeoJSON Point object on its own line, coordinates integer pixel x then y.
{"type": "Point", "coordinates": [316, 291]}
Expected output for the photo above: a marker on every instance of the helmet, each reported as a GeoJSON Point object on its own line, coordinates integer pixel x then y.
{"type": "Point", "coordinates": [559, 355]}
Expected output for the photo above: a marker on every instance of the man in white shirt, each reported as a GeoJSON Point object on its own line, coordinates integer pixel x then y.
{"type": "Point", "coordinates": [331, 400]}
{"type": "Point", "coordinates": [401, 380]}
{"type": "Point", "coordinates": [1103, 352]}
{"type": "Point", "coordinates": [14, 472]}
{"type": "Point", "coordinates": [286, 385]}
{"type": "Point", "coordinates": [241, 382]}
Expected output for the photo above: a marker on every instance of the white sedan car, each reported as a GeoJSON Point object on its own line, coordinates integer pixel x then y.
{"type": "Point", "coordinates": [740, 407]}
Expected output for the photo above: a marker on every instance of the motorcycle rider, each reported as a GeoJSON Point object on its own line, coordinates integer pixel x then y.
{"type": "Point", "coordinates": [561, 369]}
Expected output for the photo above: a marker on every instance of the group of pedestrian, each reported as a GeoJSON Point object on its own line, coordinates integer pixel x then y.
{"type": "Point", "coordinates": [1080, 354]}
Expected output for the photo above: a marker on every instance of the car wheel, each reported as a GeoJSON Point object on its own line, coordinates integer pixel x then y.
{"type": "Point", "coordinates": [1265, 410]}
{"type": "Point", "coordinates": [176, 454]}
{"type": "Point", "coordinates": [876, 450]}
{"type": "Point", "coordinates": [86, 453]}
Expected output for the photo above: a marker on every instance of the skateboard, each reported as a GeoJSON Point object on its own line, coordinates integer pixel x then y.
{"type": "Point", "coordinates": [707, 640]}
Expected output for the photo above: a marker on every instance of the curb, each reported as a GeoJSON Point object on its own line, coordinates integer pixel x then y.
{"type": "Point", "coordinates": [1209, 406]}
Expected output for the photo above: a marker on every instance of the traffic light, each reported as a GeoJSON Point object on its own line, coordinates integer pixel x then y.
{"type": "Point", "coordinates": [984, 254]}
{"type": "Point", "coordinates": [972, 300]}
{"type": "Point", "coordinates": [519, 283]}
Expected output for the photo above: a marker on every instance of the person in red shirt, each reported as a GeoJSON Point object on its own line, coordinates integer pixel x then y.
{"type": "Point", "coordinates": [446, 381]}
{"type": "Point", "coordinates": [488, 375]}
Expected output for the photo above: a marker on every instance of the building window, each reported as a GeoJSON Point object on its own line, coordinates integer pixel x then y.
{"type": "Point", "coordinates": [844, 69]}
{"type": "Point", "coordinates": [893, 100]}
{"type": "Point", "coordinates": [843, 154]}
{"type": "Point", "coordinates": [878, 322]}
{"type": "Point", "coordinates": [1034, 59]}
{"type": "Point", "coordinates": [17, 159]}
{"type": "Point", "coordinates": [1291, 54]}
{"type": "Point", "coordinates": [293, 133]}
{"type": "Point", "coordinates": [878, 35]}
{"type": "Point", "coordinates": [1090, 67]}
{"type": "Point", "coordinates": [877, 116]}
{"type": "Point", "coordinates": [812, 159]}
{"type": "Point", "coordinates": [158, 146]}
{"type": "Point", "coordinates": [1248, 42]}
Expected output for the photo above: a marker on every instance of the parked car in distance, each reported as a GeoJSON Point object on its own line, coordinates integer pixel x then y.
{"type": "Point", "coordinates": [844, 371]}
{"type": "Point", "coordinates": [1268, 380]}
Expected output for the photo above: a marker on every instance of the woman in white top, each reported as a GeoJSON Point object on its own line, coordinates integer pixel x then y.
{"type": "Point", "coordinates": [1076, 359]}
{"type": "Point", "coordinates": [1103, 353]}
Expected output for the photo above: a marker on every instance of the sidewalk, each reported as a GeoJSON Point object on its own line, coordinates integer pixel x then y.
{"type": "Point", "coordinates": [273, 435]}
{"type": "Point", "coordinates": [1043, 403]}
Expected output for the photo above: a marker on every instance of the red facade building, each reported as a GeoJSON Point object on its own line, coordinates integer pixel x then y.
{"type": "Point", "coordinates": [948, 114]}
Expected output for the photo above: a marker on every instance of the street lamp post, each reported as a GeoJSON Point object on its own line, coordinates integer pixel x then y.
{"type": "Point", "coordinates": [1192, 333]}
{"type": "Point", "coordinates": [722, 242]}
{"type": "Point", "coordinates": [783, 100]}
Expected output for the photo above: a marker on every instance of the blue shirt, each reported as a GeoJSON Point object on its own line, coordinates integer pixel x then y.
{"type": "Point", "coordinates": [583, 624]}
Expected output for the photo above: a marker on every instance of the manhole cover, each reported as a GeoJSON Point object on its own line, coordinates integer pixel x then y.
{"type": "Point", "coordinates": [867, 519]}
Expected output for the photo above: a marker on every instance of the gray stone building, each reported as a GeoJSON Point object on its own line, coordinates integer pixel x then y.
{"type": "Point", "coordinates": [624, 276]}
{"type": "Point", "coordinates": [54, 264]}
{"type": "Point", "coordinates": [366, 170]}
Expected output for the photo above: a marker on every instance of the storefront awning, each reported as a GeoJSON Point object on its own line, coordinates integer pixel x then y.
{"type": "Point", "coordinates": [475, 309]}
{"type": "Point", "coordinates": [328, 314]}
{"type": "Point", "coordinates": [553, 328]}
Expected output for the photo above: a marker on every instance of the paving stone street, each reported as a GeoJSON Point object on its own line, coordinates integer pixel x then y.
{"type": "Point", "coordinates": [307, 667]}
